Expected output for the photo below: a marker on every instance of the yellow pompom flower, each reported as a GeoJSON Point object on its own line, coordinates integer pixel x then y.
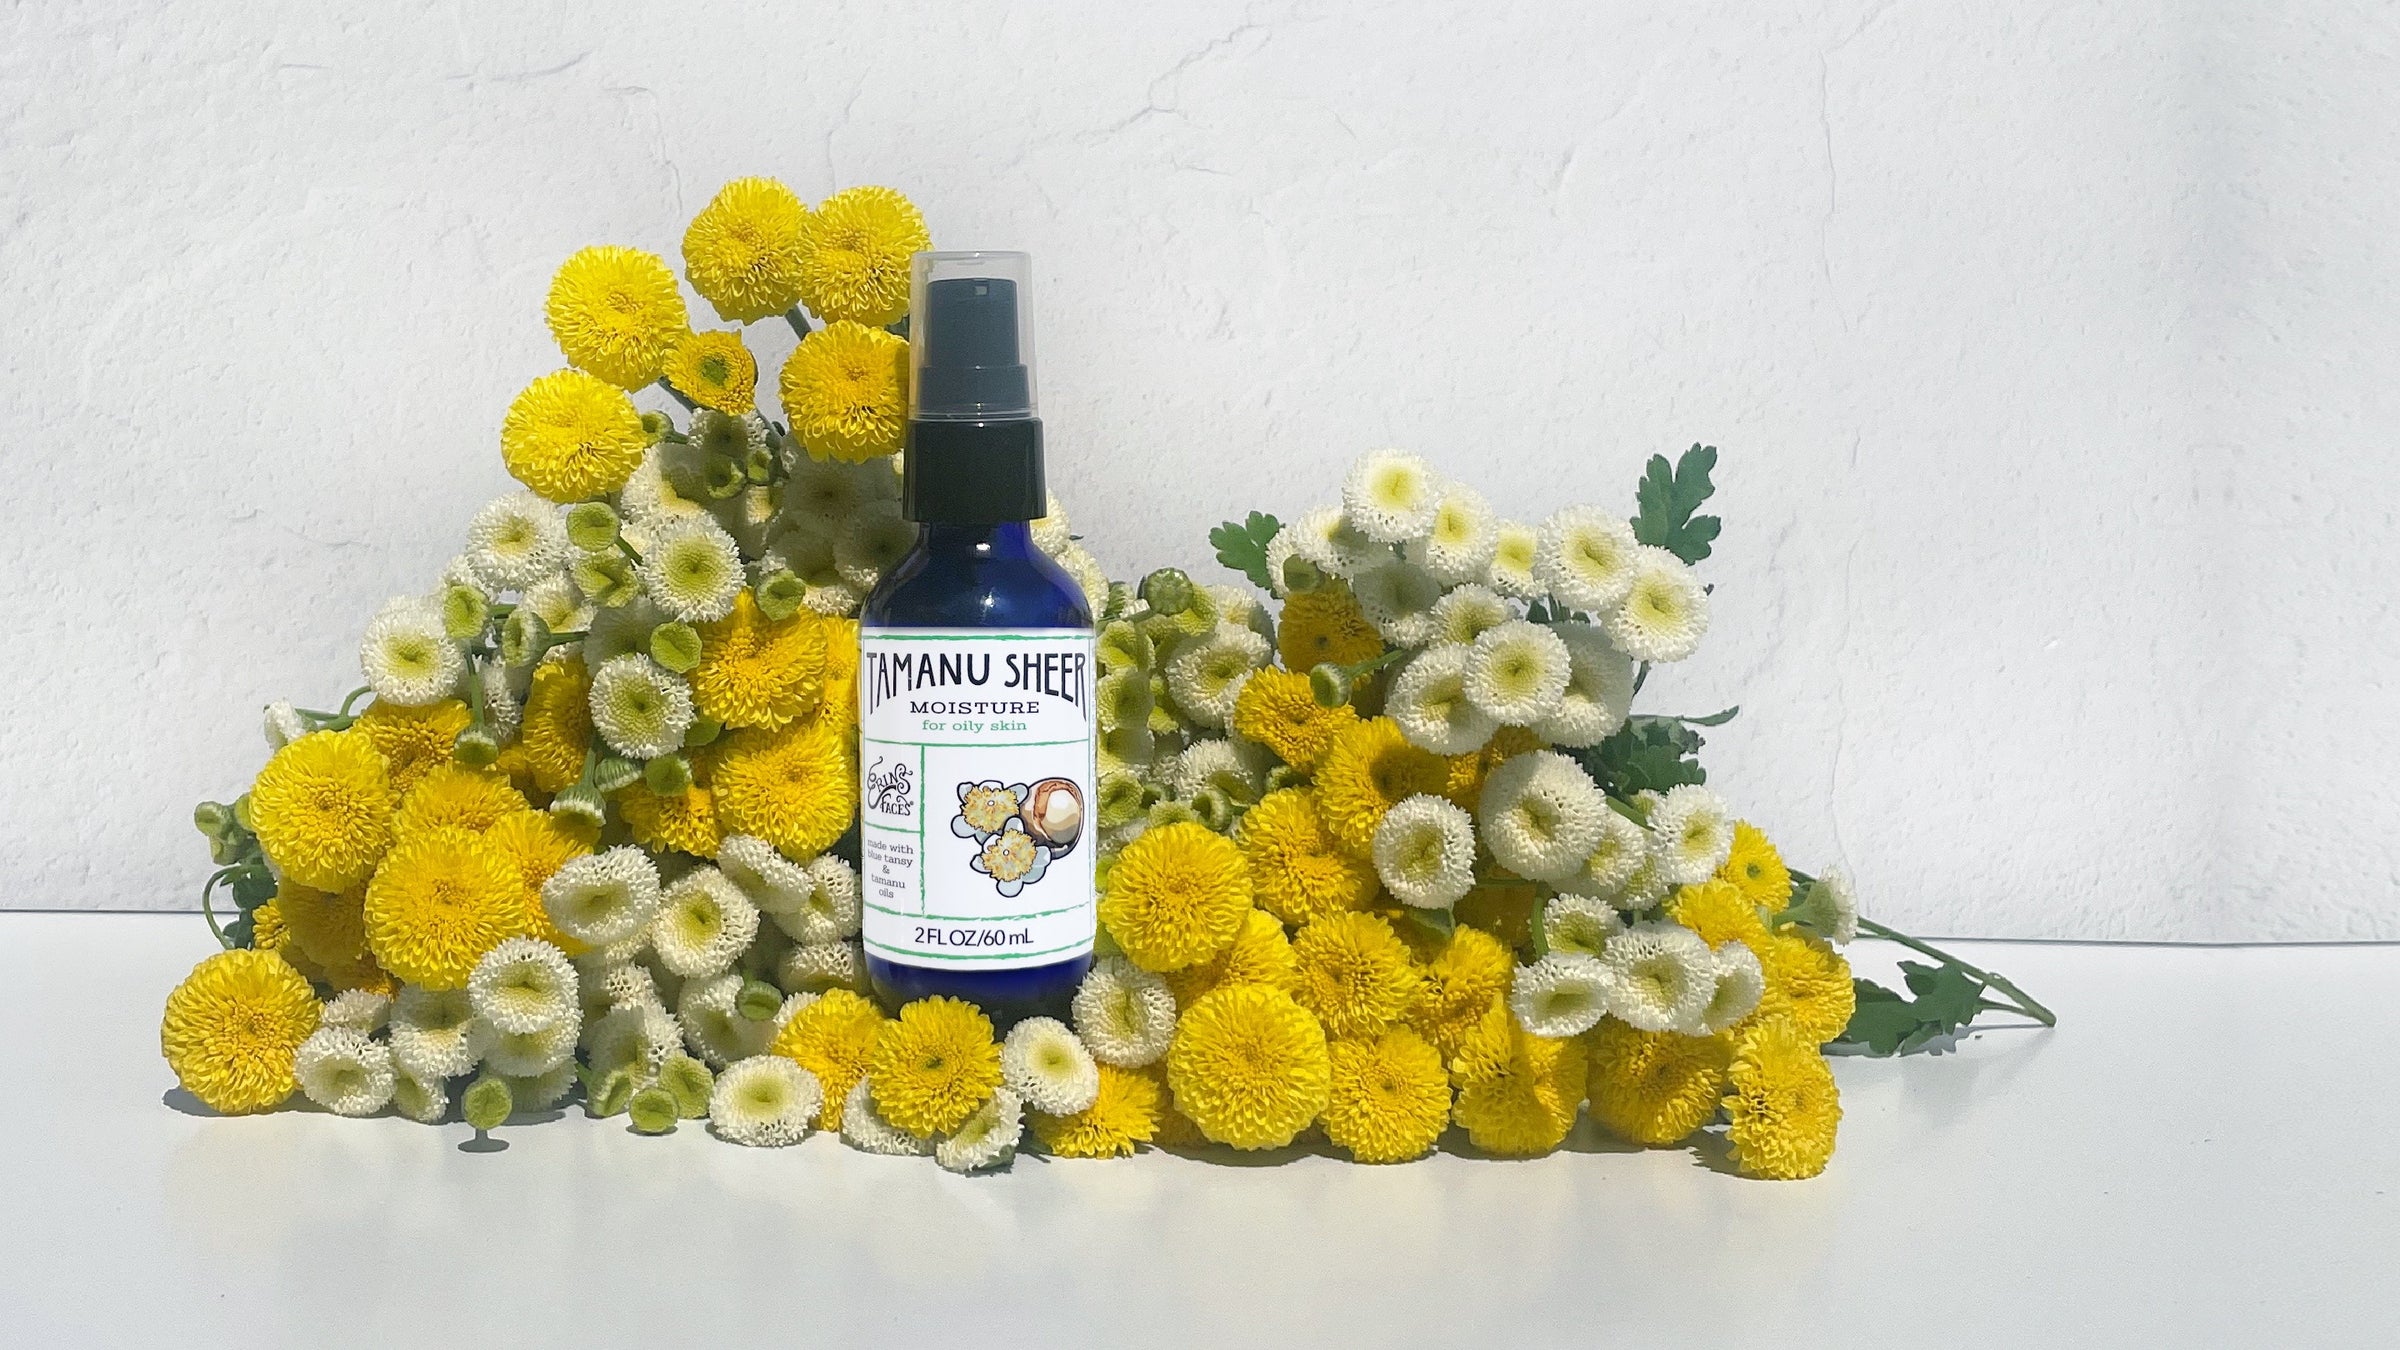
{"type": "Point", "coordinates": [716, 371]}
{"type": "Point", "coordinates": [795, 786]}
{"type": "Point", "coordinates": [837, 702]}
{"type": "Point", "coordinates": [1467, 772]}
{"type": "Point", "coordinates": [414, 741]}
{"type": "Point", "coordinates": [1249, 1066]}
{"type": "Point", "coordinates": [616, 312]}
{"type": "Point", "coordinates": [1501, 906]}
{"type": "Point", "coordinates": [1297, 872]}
{"type": "Point", "coordinates": [441, 900]}
{"type": "Point", "coordinates": [1757, 868]}
{"type": "Point", "coordinates": [557, 724]}
{"type": "Point", "coordinates": [1719, 912]}
{"type": "Point", "coordinates": [833, 1038]}
{"type": "Point", "coordinates": [933, 1066]}
{"type": "Point", "coordinates": [759, 672]}
{"type": "Point", "coordinates": [267, 930]}
{"type": "Point", "coordinates": [1389, 1098]}
{"type": "Point", "coordinates": [1354, 974]}
{"type": "Point", "coordinates": [1529, 1105]}
{"type": "Point", "coordinates": [1655, 1087]}
{"type": "Point", "coordinates": [845, 392]}
{"type": "Point", "coordinates": [232, 1028]}
{"type": "Point", "coordinates": [535, 844]}
{"type": "Point", "coordinates": [1324, 626]}
{"type": "Point", "coordinates": [742, 252]}
{"type": "Point", "coordinates": [1461, 979]}
{"type": "Point", "coordinates": [322, 808]}
{"type": "Point", "coordinates": [1484, 1044]}
{"type": "Point", "coordinates": [685, 822]}
{"type": "Point", "coordinates": [1176, 896]}
{"type": "Point", "coordinates": [1369, 769]}
{"type": "Point", "coordinates": [1784, 1108]}
{"type": "Point", "coordinates": [1124, 1115]}
{"type": "Point", "coordinates": [572, 437]}
{"type": "Point", "coordinates": [327, 927]}
{"type": "Point", "coordinates": [1259, 954]}
{"type": "Point", "coordinates": [453, 796]}
{"type": "Point", "coordinates": [1808, 982]}
{"type": "Point", "coordinates": [854, 255]}
{"type": "Point", "coordinates": [1277, 710]}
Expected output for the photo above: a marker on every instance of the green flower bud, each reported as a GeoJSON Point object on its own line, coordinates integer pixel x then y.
{"type": "Point", "coordinates": [1168, 590]}
{"type": "Point", "coordinates": [211, 817]}
{"type": "Point", "coordinates": [1120, 602]}
{"type": "Point", "coordinates": [668, 775]}
{"type": "Point", "coordinates": [222, 850]}
{"type": "Point", "coordinates": [652, 1109]}
{"type": "Point", "coordinates": [1101, 867]}
{"type": "Point", "coordinates": [465, 610]}
{"type": "Point", "coordinates": [1213, 807]}
{"type": "Point", "coordinates": [689, 1082]}
{"type": "Point", "coordinates": [1173, 813]}
{"type": "Point", "coordinates": [1124, 646]}
{"type": "Point", "coordinates": [758, 1000]}
{"type": "Point", "coordinates": [488, 1103]}
{"type": "Point", "coordinates": [675, 646]}
{"type": "Point", "coordinates": [475, 748]}
{"type": "Point", "coordinates": [1283, 776]}
{"type": "Point", "coordinates": [721, 477]}
{"type": "Point", "coordinates": [1120, 799]}
{"type": "Point", "coordinates": [592, 527]}
{"type": "Point", "coordinates": [241, 813]}
{"type": "Point", "coordinates": [607, 578]}
{"type": "Point", "coordinates": [760, 466]}
{"type": "Point", "coordinates": [1300, 575]}
{"type": "Point", "coordinates": [610, 1095]}
{"type": "Point", "coordinates": [780, 594]}
{"type": "Point", "coordinates": [1329, 685]}
{"type": "Point", "coordinates": [523, 638]}
{"type": "Point", "coordinates": [656, 425]}
{"type": "Point", "coordinates": [615, 775]}
{"type": "Point", "coordinates": [580, 803]}
{"type": "Point", "coordinates": [703, 731]}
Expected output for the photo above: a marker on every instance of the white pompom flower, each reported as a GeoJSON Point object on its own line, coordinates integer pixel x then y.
{"type": "Point", "coordinates": [1044, 1063]}
{"type": "Point", "coordinates": [870, 543]}
{"type": "Point", "coordinates": [989, 1137]}
{"type": "Point", "coordinates": [1560, 995]}
{"type": "Point", "coordinates": [709, 1011]}
{"type": "Point", "coordinates": [530, 1054]}
{"type": "Point", "coordinates": [408, 657]}
{"type": "Point", "coordinates": [1691, 832]}
{"type": "Point", "coordinates": [560, 607]}
{"type": "Point", "coordinates": [423, 1100]}
{"type": "Point", "coordinates": [516, 542]}
{"type": "Point", "coordinates": [1622, 849]}
{"type": "Point", "coordinates": [773, 882]}
{"type": "Point", "coordinates": [823, 492]}
{"type": "Point", "coordinates": [602, 898]}
{"type": "Point", "coordinates": [1516, 672]}
{"type": "Point", "coordinates": [704, 922]}
{"type": "Point", "coordinates": [1280, 550]}
{"type": "Point", "coordinates": [1429, 702]}
{"type": "Point", "coordinates": [340, 1069]}
{"type": "Point", "coordinates": [1205, 677]}
{"type": "Point", "coordinates": [649, 498]}
{"type": "Point", "coordinates": [1599, 692]}
{"type": "Point", "coordinates": [733, 435]}
{"type": "Point", "coordinates": [693, 570]}
{"type": "Point", "coordinates": [865, 1129]}
{"type": "Point", "coordinates": [1125, 1015]}
{"type": "Point", "coordinates": [1052, 534]}
{"type": "Point", "coordinates": [1468, 612]}
{"type": "Point", "coordinates": [1087, 573]}
{"type": "Point", "coordinates": [1458, 545]}
{"type": "Point", "coordinates": [639, 708]}
{"type": "Point", "coordinates": [1839, 920]}
{"type": "Point", "coordinates": [1664, 616]}
{"type": "Point", "coordinates": [637, 1037]}
{"type": "Point", "coordinates": [764, 1101]}
{"type": "Point", "coordinates": [1425, 852]}
{"type": "Point", "coordinates": [1334, 545]}
{"type": "Point", "coordinates": [1514, 549]}
{"type": "Point", "coordinates": [283, 724]}
{"type": "Point", "coordinates": [435, 1034]}
{"type": "Point", "coordinates": [1540, 815]}
{"type": "Point", "coordinates": [1741, 982]}
{"type": "Point", "coordinates": [1661, 977]}
{"type": "Point", "coordinates": [1579, 925]}
{"type": "Point", "coordinates": [1644, 888]}
{"type": "Point", "coordinates": [1398, 598]}
{"type": "Point", "coordinates": [524, 985]}
{"type": "Point", "coordinates": [543, 1090]}
{"type": "Point", "coordinates": [1216, 763]}
{"type": "Point", "coordinates": [358, 1009]}
{"type": "Point", "coordinates": [817, 966]}
{"type": "Point", "coordinates": [1390, 497]}
{"type": "Point", "coordinates": [1586, 558]}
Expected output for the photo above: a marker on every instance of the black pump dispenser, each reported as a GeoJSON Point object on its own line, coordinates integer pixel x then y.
{"type": "Point", "coordinates": [974, 443]}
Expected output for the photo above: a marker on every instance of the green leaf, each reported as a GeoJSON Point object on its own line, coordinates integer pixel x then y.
{"type": "Point", "coordinates": [1243, 547]}
{"type": "Point", "coordinates": [1647, 754]}
{"type": "Point", "coordinates": [1668, 497]}
{"type": "Point", "coordinates": [1439, 922]}
{"type": "Point", "coordinates": [1889, 1023]}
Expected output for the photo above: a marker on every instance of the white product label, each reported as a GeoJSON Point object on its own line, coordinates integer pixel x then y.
{"type": "Point", "coordinates": [975, 782]}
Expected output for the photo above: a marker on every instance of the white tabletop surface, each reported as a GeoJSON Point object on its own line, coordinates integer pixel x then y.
{"type": "Point", "coordinates": [2201, 1155]}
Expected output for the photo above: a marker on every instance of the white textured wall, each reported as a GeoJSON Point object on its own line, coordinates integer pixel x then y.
{"type": "Point", "coordinates": [2051, 347]}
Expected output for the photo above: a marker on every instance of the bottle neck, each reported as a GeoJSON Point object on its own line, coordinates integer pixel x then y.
{"type": "Point", "coordinates": [999, 539]}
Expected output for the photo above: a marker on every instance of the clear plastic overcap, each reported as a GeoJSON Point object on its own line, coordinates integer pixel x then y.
{"type": "Point", "coordinates": [970, 337]}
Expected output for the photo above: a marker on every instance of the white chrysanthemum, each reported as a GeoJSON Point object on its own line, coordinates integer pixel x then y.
{"type": "Point", "coordinates": [283, 724]}
{"type": "Point", "coordinates": [865, 1129]}
{"type": "Point", "coordinates": [1390, 496]}
{"type": "Point", "coordinates": [503, 702]}
{"type": "Point", "coordinates": [816, 966]}
{"type": "Point", "coordinates": [873, 540]}
{"type": "Point", "coordinates": [1833, 903]}
{"type": "Point", "coordinates": [704, 921]}
{"type": "Point", "coordinates": [358, 1009]}
{"type": "Point", "coordinates": [1579, 925]}
{"type": "Point", "coordinates": [1464, 534]}
{"type": "Point", "coordinates": [1468, 612]}
{"type": "Point", "coordinates": [1661, 977]}
{"type": "Point", "coordinates": [344, 1072]}
{"type": "Point", "coordinates": [1051, 533]}
{"type": "Point", "coordinates": [823, 492]}
{"type": "Point", "coordinates": [425, 1101]}
{"type": "Point", "coordinates": [620, 630]}
{"type": "Point", "coordinates": [713, 1026]}
{"type": "Point", "coordinates": [692, 570]}
{"type": "Point", "coordinates": [1207, 676]}
{"type": "Point", "coordinates": [989, 1138]}
{"type": "Point", "coordinates": [1510, 572]}
{"type": "Point", "coordinates": [1125, 1015]}
{"type": "Point", "coordinates": [1599, 690]}
{"type": "Point", "coordinates": [1281, 549]}
{"type": "Point", "coordinates": [1691, 830]}
{"type": "Point", "coordinates": [543, 1090]}
{"type": "Point", "coordinates": [1622, 849]}
{"type": "Point", "coordinates": [516, 542]}
{"type": "Point", "coordinates": [436, 1034]}
{"type": "Point", "coordinates": [1740, 984]}
{"type": "Point", "coordinates": [1334, 545]}
{"type": "Point", "coordinates": [773, 882]}
{"type": "Point", "coordinates": [1665, 615]}
{"type": "Point", "coordinates": [649, 498]}
{"type": "Point", "coordinates": [1045, 1064]}
{"type": "Point", "coordinates": [524, 985]}
{"type": "Point", "coordinates": [408, 658]}
{"type": "Point", "coordinates": [602, 898]}
{"type": "Point", "coordinates": [1586, 558]}
{"type": "Point", "coordinates": [731, 435]}
{"type": "Point", "coordinates": [1398, 598]}
{"type": "Point", "coordinates": [637, 1037]}
{"type": "Point", "coordinates": [1429, 701]}
{"type": "Point", "coordinates": [1239, 606]}
{"type": "Point", "coordinates": [747, 516]}
{"type": "Point", "coordinates": [831, 909]}
{"type": "Point", "coordinates": [1645, 888]}
{"type": "Point", "coordinates": [1425, 852]}
{"type": "Point", "coordinates": [530, 1054]}
{"type": "Point", "coordinates": [764, 1101]}
{"type": "Point", "coordinates": [1089, 576]}
{"type": "Point", "coordinates": [1215, 763]}
{"type": "Point", "coordinates": [1517, 671]}
{"type": "Point", "coordinates": [1540, 815]}
{"type": "Point", "coordinates": [629, 984]}
{"type": "Point", "coordinates": [639, 708]}
{"type": "Point", "coordinates": [560, 607]}
{"type": "Point", "coordinates": [1561, 995]}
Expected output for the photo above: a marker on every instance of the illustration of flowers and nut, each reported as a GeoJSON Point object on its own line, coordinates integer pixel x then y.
{"type": "Point", "coordinates": [1018, 828]}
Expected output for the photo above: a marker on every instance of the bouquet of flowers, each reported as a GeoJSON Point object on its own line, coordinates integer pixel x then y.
{"type": "Point", "coordinates": [1383, 846]}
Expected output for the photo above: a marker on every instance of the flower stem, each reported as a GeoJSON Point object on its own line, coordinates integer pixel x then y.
{"type": "Point", "coordinates": [209, 913]}
{"type": "Point", "coordinates": [2030, 1008]}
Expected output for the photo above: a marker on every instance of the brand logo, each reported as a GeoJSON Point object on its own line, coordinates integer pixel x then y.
{"type": "Point", "coordinates": [890, 791]}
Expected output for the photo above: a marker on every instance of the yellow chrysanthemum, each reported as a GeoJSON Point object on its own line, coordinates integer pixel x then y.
{"type": "Point", "coordinates": [557, 725]}
{"type": "Point", "coordinates": [1249, 1066]}
{"type": "Point", "coordinates": [1175, 1129]}
{"type": "Point", "coordinates": [1529, 1105]}
{"type": "Point", "coordinates": [1176, 896]}
{"type": "Point", "coordinates": [415, 741]}
{"type": "Point", "coordinates": [323, 809]}
{"type": "Point", "coordinates": [1259, 954]}
{"type": "Point", "coordinates": [1719, 912]}
{"type": "Point", "coordinates": [1389, 1098]}
{"type": "Point", "coordinates": [327, 927]}
{"type": "Point", "coordinates": [1757, 868]}
{"type": "Point", "coordinates": [453, 796]}
{"type": "Point", "coordinates": [686, 822]}
{"type": "Point", "coordinates": [365, 976]}
{"type": "Point", "coordinates": [1125, 1114]}
{"type": "Point", "coordinates": [1369, 769]}
{"type": "Point", "coordinates": [1296, 870]}
{"type": "Point", "coordinates": [1483, 1044]}
{"type": "Point", "coordinates": [795, 786]}
{"type": "Point", "coordinates": [742, 252]}
{"type": "Point", "coordinates": [716, 371]}
{"type": "Point", "coordinates": [1467, 772]}
{"type": "Point", "coordinates": [854, 254]}
{"type": "Point", "coordinates": [572, 437]}
{"type": "Point", "coordinates": [1501, 906]}
{"type": "Point", "coordinates": [1324, 626]}
{"type": "Point", "coordinates": [833, 1038]}
{"type": "Point", "coordinates": [535, 844]}
{"type": "Point", "coordinates": [616, 312]}
{"type": "Point", "coordinates": [845, 392]}
{"type": "Point", "coordinates": [933, 1066]}
{"type": "Point", "coordinates": [759, 672]}
{"type": "Point", "coordinates": [1784, 1108]}
{"type": "Point", "coordinates": [441, 900]}
{"type": "Point", "coordinates": [1808, 982]}
{"type": "Point", "coordinates": [1460, 978]}
{"type": "Point", "coordinates": [1655, 1087]}
{"type": "Point", "coordinates": [267, 930]}
{"type": "Point", "coordinates": [232, 1028]}
{"type": "Point", "coordinates": [1277, 710]}
{"type": "Point", "coordinates": [1354, 974]}
{"type": "Point", "coordinates": [837, 703]}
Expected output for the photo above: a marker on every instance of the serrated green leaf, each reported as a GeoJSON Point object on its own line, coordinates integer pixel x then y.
{"type": "Point", "coordinates": [1647, 754]}
{"type": "Point", "coordinates": [1243, 547]}
{"type": "Point", "coordinates": [1888, 1023]}
{"type": "Point", "coordinates": [1668, 497]}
